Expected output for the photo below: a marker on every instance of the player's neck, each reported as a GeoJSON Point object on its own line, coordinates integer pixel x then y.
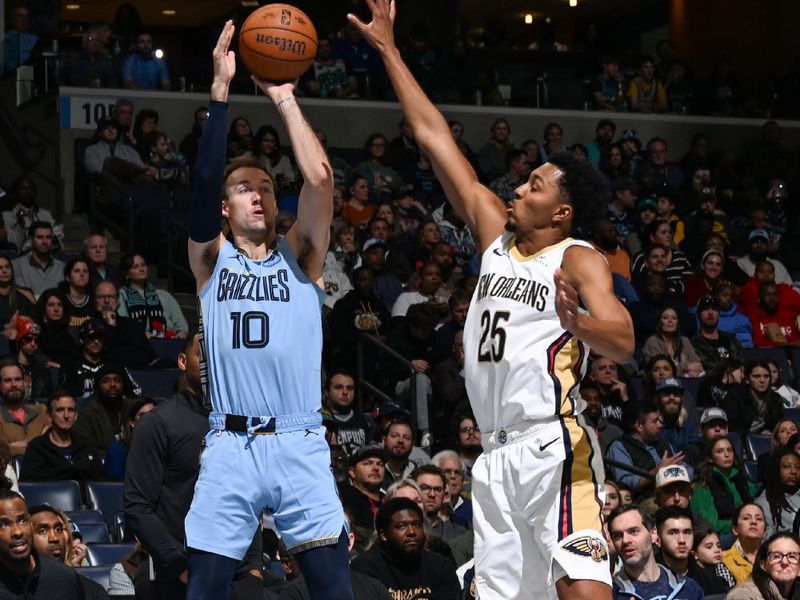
{"type": "Point", "coordinates": [255, 249]}
{"type": "Point", "coordinates": [538, 240]}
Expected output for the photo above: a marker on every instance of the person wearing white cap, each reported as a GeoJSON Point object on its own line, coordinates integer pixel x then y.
{"type": "Point", "coordinates": [673, 486]}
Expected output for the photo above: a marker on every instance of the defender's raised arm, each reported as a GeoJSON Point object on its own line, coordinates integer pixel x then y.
{"type": "Point", "coordinates": [480, 208]}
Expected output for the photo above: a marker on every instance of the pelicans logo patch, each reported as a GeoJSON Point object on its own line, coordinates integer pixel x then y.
{"type": "Point", "coordinates": [587, 546]}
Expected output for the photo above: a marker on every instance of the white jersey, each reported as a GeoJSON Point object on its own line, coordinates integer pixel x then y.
{"type": "Point", "coordinates": [520, 364]}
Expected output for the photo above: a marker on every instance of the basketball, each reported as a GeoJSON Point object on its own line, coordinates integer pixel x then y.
{"type": "Point", "coordinates": [277, 43]}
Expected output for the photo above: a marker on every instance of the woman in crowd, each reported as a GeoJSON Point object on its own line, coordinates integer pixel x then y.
{"type": "Point", "coordinates": [775, 570]}
{"type": "Point", "coordinates": [339, 263]}
{"type": "Point", "coordinates": [781, 434]}
{"type": "Point", "coordinates": [638, 239]}
{"type": "Point", "coordinates": [357, 210]}
{"type": "Point", "coordinates": [56, 342]}
{"type": "Point", "coordinates": [428, 236]}
{"type": "Point", "coordinates": [657, 368]}
{"type": "Point", "coordinates": [146, 122]}
{"type": "Point", "coordinates": [381, 178]}
{"type": "Point", "coordinates": [757, 411]}
{"type": "Point", "coordinates": [707, 278]}
{"type": "Point", "coordinates": [748, 527]}
{"type": "Point", "coordinates": [240, 138]}
{"type": "Point", "coordinates": [157, 310]}
{"type": "Point", "coordinates": [612, 498]}
{"type": "Point", "coordinates": [722, 485]}
{"type": "Point", "coordinates": [668, 340]}
{"type": "Point", "coordinates": [614, 164]}
{"type": "Point", "coordinates": [791, 397]}
{"type": "Point", "coordinates": [707, 555]}
{"type": "Point", "coordinates": [13, 300]}
{"type": "Point", "coordinates": [75, 287]}
{"type": "Point", "coordinates": [267, 149]}
{"type": "Point", "coordinates": [780, 499]}
{"type": "Point", "coordinates": [388, 212]}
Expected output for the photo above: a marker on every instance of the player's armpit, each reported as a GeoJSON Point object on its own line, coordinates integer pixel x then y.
{"type": "Point", "coordinates": [203, 258]}
{"type": "Point", "coordinates": [608, 328]}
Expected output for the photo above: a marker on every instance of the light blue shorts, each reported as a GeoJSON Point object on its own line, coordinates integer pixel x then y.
{"type": "Point", "coordinates": [240, 474]}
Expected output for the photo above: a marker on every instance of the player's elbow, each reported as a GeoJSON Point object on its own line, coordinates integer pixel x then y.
{"type": "Point", "coordinates": [320, 177]}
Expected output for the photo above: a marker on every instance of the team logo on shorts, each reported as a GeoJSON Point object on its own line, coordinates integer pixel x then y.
{"type": "Point", "coordinates": [588, 546]}
{"type": "Point", "coordinates": [502, 436]}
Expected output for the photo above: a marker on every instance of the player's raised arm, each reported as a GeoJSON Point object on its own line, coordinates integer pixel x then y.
{"type": "Point", "coordinates": [607, 329]}
{"type": "Point", "coordinates": [310, 234]}
{"type": "Point", "coordinates": [481, 209]}
{"type": "Point", "coordinates": [205, 222]}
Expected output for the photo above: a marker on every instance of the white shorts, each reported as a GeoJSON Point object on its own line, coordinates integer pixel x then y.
{"type": "Point", "coordinates": [537, 492]}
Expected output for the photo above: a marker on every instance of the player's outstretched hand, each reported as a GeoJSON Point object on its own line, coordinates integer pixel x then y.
{"type": "Point", "coordinates": [566, 302]}
{"type": "Point", "coordinates": [224, 57]}
{"type": "Point", "coordinates": [380, 31]}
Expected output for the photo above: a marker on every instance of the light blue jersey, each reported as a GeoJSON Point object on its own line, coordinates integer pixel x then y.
{"type": "Point", "coordinates": [263, 355]}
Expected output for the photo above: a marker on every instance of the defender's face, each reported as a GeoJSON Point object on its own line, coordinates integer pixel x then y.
{"type": "Point", "coordinates": [537, 200]}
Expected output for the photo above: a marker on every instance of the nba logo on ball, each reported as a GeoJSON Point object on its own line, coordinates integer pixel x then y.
{"type": "Point", "coordinates": [277, 43]}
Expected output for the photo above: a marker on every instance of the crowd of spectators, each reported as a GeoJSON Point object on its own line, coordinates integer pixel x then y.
{"type": "Point", "coordinates": [462, 70]}
{"type": "Point", "coordinates": [703, 250]}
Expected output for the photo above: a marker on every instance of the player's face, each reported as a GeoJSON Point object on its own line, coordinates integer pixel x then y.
{"type": "Point", "coordinates": [49, 537]}
{"type": "Point", "coordinates": [340, 392]}
{"type": "Point", "coordinates": [12, 385]}
{"type": "Point", "coordinates": [538, 202]}
{"type": "Point", "coordinates": [63, 413]}
{"type": "Point", "coordinates": [632, 541]}
{"type": "Point", "coordinates": [398, 441]}
{"type": "Point", "coordinates": [709, 551]}
{"type": "Point", "coordinates": [250, 205]}
{"type": "Point", "coordinates": [404, 533]}
{"type": "Point", "coordinates": [675, 537]}
{"type": "Point", "coordinates": [433, 489]}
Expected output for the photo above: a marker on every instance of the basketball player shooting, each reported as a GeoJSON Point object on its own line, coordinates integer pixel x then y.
{"type": "Point", "coordinates": [261, 349]}
{"type": "Point", "coordinates": [537, 488]}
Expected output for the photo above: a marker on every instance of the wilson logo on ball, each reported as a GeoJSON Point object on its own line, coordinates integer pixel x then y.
{"type": "Point", "coordinates": [282, 44]}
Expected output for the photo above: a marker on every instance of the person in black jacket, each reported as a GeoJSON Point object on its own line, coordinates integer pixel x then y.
{"type": "Point", "coordinates": [162, 468]}
{"type": "Point", "coordinates": [24, 573]}
{"type": "Point", "coordinates": [58, 454]}
{"type": "Point", "coordinates": [399, 559]}
{"type": "Point", "coordinates": [125, 340]}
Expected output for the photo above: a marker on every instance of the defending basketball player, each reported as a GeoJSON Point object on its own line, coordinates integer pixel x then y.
{"type": "Point", "coordinates": [261, 349]}
{"type": "Point", "coordinates": [537, 488]}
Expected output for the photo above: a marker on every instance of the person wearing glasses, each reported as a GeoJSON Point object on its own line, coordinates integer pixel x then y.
{"type": "Point", "coordinates": [433, 485]}
{"type": "Point", "coordinates": [775, 571]}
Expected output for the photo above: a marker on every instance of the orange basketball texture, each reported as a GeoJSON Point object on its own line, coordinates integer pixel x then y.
{"type": "Point", "coordinates": [277, 42]}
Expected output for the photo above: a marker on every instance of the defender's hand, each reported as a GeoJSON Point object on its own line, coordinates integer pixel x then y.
{"type": "Point", "coordinates": [380, 31]}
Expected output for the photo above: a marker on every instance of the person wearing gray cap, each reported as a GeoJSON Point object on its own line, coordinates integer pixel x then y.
{"type": "Point", "coordinates": [757, 248]}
